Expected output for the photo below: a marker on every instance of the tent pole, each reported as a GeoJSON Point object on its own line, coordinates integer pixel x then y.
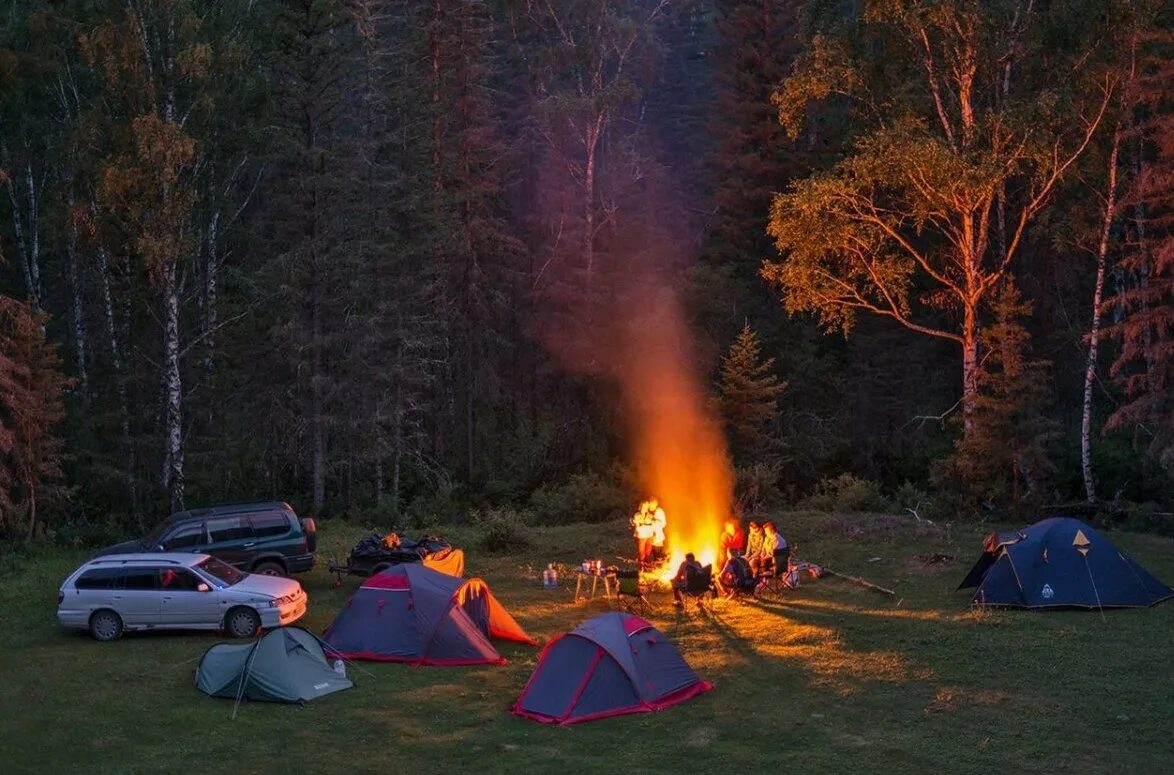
{"type": "Point", "coordinates": [240, 689]}
{"type": "Point", "coordinates": [1100, 607]}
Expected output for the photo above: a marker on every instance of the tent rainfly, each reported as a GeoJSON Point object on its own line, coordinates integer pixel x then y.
{"type": "Point", "coordinates": [613, 664]}
{"type": "Point", "coordinates": [287, 664]}
{"type": "Point", "coordinates": [1060, 562]}
{"type": "Point", "coordinates": [411, 613]}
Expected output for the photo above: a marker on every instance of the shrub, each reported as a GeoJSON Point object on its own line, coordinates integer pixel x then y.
{"type": "Point", "coordinates": [846, 493]}
{"type": "Point", "coordinates": [502, 530]}
{"type": "Point", "coordinates": [587, 497]}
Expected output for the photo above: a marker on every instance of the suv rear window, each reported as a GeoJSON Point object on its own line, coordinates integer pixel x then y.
{"type": "Point", "coordinates": [273, 523]}
{"type": "Point", "coordinates": [228, 529]}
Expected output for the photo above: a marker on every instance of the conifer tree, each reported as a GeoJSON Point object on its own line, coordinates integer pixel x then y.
{"type": "Point", "coordinates": [1145, 305]}
{"type": "Point", "coordinates": [748, 394]}
{"type": "Point", "coordinates": [1005, 459]}
{"type": "Point", "coordinates": [31, 388]}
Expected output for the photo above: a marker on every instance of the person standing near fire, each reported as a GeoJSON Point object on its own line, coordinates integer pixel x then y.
{"type": "Point", "coordinates": [643, 531]}
{"type": "Point", "coordinates": [659, 523]}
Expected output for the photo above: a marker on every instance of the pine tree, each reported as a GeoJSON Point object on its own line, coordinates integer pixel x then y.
{"type": "Point", "coordinates": [748, 394]}
{"type": "Point", "coordinates": [31, 389]}
{"type": "Point", "coordinates": [1008, 448]}
{"type": "Point", "coordinates": [1145, 306]}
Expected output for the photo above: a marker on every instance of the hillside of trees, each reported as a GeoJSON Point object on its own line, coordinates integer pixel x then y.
{"type": "Point", "coordinates": [367, 256]}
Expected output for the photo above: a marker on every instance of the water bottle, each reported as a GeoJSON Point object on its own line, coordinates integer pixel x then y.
{"type": "Point", "coordinates": [550, 577]}
{"type": "Point", "coordinates": [340, 668]}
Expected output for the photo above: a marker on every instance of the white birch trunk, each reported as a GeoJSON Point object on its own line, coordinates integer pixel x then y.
{"type": "Point", "coordinates": [1090, 366]}
{"type": "Point", "coordinates": [173, 389]}
{"type": "Point", "coordinates": [77, 312]}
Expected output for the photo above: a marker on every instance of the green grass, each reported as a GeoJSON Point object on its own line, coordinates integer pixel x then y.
{"type": "Point", "coordinates": [837, 678]}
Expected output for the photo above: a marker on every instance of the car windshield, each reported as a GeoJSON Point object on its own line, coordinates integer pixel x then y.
{"type": "Point", "coordinates": [220, 570]}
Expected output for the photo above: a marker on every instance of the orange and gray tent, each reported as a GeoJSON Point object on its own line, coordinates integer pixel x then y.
{"type": "Point", "coordinates": [613, 664]}
{"type": "Point", "coordinates": [410, 613]}
{"type": "Point", "coordinates": [1060, 562]}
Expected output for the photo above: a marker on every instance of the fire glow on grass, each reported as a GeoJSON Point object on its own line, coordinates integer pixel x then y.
{"type": "Point", "coordinates": [678, 446]}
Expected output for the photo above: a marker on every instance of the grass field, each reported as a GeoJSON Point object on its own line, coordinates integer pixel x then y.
{"type": "Point", "coordinates": [837, 678]}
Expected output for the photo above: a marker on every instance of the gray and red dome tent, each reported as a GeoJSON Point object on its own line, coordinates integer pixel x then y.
{"type": "Point", "coordinates": [411, 613]}
{"type": "Point", "coordinates": [613, 664]}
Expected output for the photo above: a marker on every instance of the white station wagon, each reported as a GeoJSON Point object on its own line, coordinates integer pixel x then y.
{"type": "Point", "coordinates": [115, 593]}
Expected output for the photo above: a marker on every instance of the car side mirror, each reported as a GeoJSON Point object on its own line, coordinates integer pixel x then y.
{"type": "Point", "coordinates": [202, 587]}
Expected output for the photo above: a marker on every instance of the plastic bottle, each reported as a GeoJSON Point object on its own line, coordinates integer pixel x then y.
{"type": "Point", "coordinates": [550, 577]}
{"type": "Point", "coordinates": [340, 668]}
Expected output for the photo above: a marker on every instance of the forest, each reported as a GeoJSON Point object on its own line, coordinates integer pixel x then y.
{"type": "Point", "coordinates": [429, 261]}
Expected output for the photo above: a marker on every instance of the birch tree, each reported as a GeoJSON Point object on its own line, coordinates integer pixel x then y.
{"type": "Point", "coordinates": [902, 226]}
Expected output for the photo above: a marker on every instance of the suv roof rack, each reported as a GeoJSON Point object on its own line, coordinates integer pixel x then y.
{"type": "Point", "coordinates": [241, 507]}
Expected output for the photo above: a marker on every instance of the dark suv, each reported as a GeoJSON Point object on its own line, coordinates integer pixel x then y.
{"type": "Point", "coordinates": [266, 538]}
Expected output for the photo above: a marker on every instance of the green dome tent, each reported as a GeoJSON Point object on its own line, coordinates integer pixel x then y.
{"type": "Point", "coordinates": [287, 664]}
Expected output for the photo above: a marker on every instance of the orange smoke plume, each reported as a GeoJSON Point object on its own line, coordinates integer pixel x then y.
{"type": "Point", "coordinates": [678, 447]}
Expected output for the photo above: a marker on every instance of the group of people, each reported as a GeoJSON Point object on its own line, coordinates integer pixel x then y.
{"type": "Point", "coordinates": [648, 525]}
{"type": "Point", "coordinates": [745, 557]}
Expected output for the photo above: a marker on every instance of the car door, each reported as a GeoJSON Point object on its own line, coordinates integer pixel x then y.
{"type": "Point", "coordinates": [136, 597]}
{"type": "Point", "coordinates": [182, 602]}
{"type": "Point", "coordinates": [231, 539]}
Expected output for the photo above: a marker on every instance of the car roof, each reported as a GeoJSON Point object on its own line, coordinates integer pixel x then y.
{"type": "Point", "coordinates": [248, 507]}
{"type": "Point", "coordinates": [182, 559]}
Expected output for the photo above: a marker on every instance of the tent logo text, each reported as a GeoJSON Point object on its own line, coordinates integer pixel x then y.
{"type": "Point", "coordinates": [1047, 592]}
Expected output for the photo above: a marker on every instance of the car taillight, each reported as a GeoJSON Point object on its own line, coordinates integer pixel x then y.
{"type": "Point", "coordinates": [309, 525]}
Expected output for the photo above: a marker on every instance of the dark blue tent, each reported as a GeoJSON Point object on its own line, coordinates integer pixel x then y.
{"type": "Point", "coordinates": [613, 664]}
{"type": "Point", "coordinates": [1060, 562]}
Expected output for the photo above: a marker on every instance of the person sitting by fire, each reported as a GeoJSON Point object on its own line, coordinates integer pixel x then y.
{"type": "Point", "coordinates": [642, 529]}
{"type": "Point", "coordinates": [775, 550]}
{"type": "Point", "coordinates": [736, 576]}
{"type": "Point", "coordinates": [732, 540]}
{"type": "Point", "coordinates": [685, 572]}
{"type": "Point", "coordinates": [753, 540]}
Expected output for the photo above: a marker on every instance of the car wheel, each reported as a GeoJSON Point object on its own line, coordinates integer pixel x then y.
{"type": "Point", "coordinates": [242, 623]}
{"type": "Point", "coordinates": [105, 625]}
{"type": "Point", "coordinates": [269, 569]}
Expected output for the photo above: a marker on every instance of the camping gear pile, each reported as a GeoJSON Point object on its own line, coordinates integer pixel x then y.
{"type": "Point", "coordinates": [379, 551]}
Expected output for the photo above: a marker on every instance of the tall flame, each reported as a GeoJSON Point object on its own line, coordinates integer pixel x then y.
{"type": "Point", "coordinates": [678, 447]}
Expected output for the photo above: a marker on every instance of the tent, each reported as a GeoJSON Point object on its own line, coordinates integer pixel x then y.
{"type": "Point", "coordinates": [411, 613]}
{"type": "Point", "coordinates": [287, 664]}
{"type": "Point", "coordinates": [450, 561]}
{"type": "Point", "coordinates": [613, 664]}
{"type": "Point", "coordinates": [1060, 562]}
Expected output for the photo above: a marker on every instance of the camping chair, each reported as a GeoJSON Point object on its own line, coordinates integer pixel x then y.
{"type": "Point", "coordinates": [630, 595]}
{"type": "Point", "coordinates": [697, 586]}
{"type": "Point", "coordinates": [774, 584]}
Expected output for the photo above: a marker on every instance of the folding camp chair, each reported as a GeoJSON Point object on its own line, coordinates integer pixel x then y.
{"type": "Point", "coordinates": [630, 595]}
{"type": "Point", "coordinates": [774, 584]}
{"type": "Point", "coordinates": [697, 586]}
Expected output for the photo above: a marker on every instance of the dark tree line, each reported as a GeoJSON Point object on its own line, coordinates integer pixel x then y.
{"type": "Point", "coordinates": [360, 254]}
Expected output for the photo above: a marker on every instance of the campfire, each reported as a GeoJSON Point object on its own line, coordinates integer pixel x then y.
{"type": "Point", "coordinates": [685, 530]}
